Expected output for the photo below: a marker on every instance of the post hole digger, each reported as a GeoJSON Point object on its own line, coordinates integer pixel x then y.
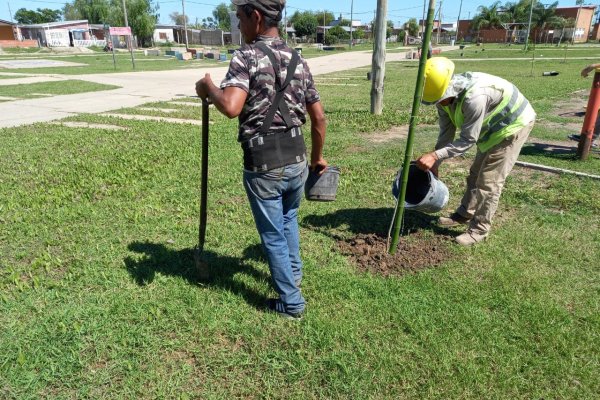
{"type": "Point", "coordinates": [202, 267]}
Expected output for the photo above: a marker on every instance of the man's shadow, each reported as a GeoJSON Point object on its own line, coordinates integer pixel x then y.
{"type": "Point", "coordinates": [158, 258]}
{"type": "Point", "coordinates": [371, 220]}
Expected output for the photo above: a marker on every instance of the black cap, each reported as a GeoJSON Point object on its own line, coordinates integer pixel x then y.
{"type": "Point", "coordinates": [269, 8]}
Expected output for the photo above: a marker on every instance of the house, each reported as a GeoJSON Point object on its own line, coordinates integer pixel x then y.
{"type": "Point", "coordinates": [167, 34]}
{"type": "Point", "coordinates": [8, 30]}
{"type": "Point", "coordinates": [10, 36]}
{"type": "Point", "coordinates": [583, 16]}
{"type": "Point", "coordinates": [57, 34]}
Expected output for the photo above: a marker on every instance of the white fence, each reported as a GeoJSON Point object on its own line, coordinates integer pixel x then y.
{"type": "Point", "coordinates": [88, 43]}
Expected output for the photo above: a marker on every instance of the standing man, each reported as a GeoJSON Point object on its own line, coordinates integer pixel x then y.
{"type": "Point", "coordinates": [270, 88]}
{"type": "Point", "coordinates": [490, 112]}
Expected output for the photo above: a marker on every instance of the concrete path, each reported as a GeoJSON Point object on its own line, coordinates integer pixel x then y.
{"type": "Point", "coordinates": [143, 87]}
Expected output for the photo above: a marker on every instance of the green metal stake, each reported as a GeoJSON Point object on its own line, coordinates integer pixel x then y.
{"type": "Point", "coordinates": [399, 211]}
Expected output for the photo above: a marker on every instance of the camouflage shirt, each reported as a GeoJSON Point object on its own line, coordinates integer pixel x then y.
{"type": "Point", "coordinates": [251, 70]}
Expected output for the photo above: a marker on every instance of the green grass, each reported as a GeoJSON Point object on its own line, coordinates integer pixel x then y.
{"type": "Point", "coordinates": [99, 299]}
{"type": "Point", "coordinates": [36, 90]}
{"type": "Point", "coordinates": [103, 63]}
{"type": "Point", "coordinates": [590, 51]}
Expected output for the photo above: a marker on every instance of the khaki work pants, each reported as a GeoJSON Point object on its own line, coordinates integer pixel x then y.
{"type": "Point", "coordinates": [486, 180]}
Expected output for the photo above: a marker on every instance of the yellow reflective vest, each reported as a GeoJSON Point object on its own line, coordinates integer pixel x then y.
{"type": "Point", "coordinates": [507, 118]}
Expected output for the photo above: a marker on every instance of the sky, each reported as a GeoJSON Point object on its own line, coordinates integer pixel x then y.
{"type": "Point", "coordinates": [363, 10]}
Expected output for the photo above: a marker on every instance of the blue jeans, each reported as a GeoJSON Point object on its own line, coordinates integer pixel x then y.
{"type": "Point", "coordinates": [274, 198]}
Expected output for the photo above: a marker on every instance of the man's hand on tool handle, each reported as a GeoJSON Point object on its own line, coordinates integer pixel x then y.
{"type": "Point", "coordinates": [203, 86]}
{"type": "Point", "coordinates": [427, 162]}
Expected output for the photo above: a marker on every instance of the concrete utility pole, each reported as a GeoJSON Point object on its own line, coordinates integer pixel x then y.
{"type": "Point", "coordinates": [378, 62]}
{"type": "Point", "coordinates": [458, 19]}
{"type": "Point", "coordinates": [529, 25]}
{"type": "Point", "coordinates": [184, 24]}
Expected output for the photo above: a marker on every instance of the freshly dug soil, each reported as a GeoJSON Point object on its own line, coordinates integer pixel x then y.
{"type": "Point", "coordinates": [415, 252]}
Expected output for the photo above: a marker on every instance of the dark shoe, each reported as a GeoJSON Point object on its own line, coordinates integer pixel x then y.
{"type": "Point", "coordinates": [453, 220]}
{"type": "Point", "coordinates": [276, 306]}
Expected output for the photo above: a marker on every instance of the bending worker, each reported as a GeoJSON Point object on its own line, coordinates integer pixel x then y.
{"type": "Point", "coordinates": [491, 113]}
{"type": "Point", "coordinates": [270, 88]}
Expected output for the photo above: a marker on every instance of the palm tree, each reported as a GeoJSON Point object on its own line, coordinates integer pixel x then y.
{"type": "Point", "coordinates": [487, 18]}
{"type": "Point", "coordinates": [544, 17]}
{"type": "Point", "coordinates": [515, 12]}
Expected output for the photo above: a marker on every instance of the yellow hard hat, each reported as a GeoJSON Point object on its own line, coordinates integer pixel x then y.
{"type": "Point", "coordinates": [438, 72]}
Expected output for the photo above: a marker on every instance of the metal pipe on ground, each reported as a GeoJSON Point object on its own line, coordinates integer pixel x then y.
{"type": "Point", "coordinates": [591, 113]}
{"type": "Point", "coordinates": [394, 231]}
{"type": "Point", "coordinates": [555, 170]}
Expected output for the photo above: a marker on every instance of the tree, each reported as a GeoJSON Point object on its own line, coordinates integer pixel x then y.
{"type": "Point", "coordinates": [359, 33]}
{"type": "Point", "coordinates": [179, 19]}
{"type": "Point", "coordinates": [562, 24]}
{"type": "Point", "coordinates": [95, 11]}
{"type": "Point", "coordinates": [544, 17]}
{"type": "Point", "coordinates": [42, 15]}
{"type": "Point", "coordinates": [335, 34]}
{"type": "Point", "coordinates": [305, 23]}
{"type": "Point", "coordinates": [412, 27]}
{"type": "Point", "coordinates": [324, 17]}
{"type": "Point", "coordinates": [141, 15]}
{"type": "Point", "coordinates": [389, 29]}
{"type": "Point", "coordinates": [488, 17]}
{"type": "Point", "coordinates": [221, 16]}
{"type": "Point", "coordinates": [514, 13]}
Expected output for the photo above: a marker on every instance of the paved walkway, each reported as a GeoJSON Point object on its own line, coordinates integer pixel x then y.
{"type": "Point", "coordinates": [143, 87]}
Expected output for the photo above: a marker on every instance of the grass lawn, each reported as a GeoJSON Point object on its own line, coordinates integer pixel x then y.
{"type": "Point", "coordinates": [103, 63]}
{"type": "Point", "coordinates": [517, 51]}
{"type": "Point", "coordinates": [35, 90]}
{"type": "Point", "coordinates": [99, 298]}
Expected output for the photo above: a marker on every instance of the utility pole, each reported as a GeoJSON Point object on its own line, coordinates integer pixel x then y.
{"type": "Point", "coordinates": [529, 26]}
{"type": "Point", "coordinates": [10, 11]}
{"type": "Point", "coordinates": [184, 24]}
{"type": "Point", "coordinates": [125, 13]}
{"type": "Point", "coordinates": [439, 27]}
{"type": "Point", "coordinates": [458, 19]}
{"type": "Point", "coordinates": [285, 24]}
{"type": "Point", "coordinates": [423, 21]}
{"type": "Point", "coordinates": [378, 62]}
{"type": "Point", "coordinates": [351, 16]}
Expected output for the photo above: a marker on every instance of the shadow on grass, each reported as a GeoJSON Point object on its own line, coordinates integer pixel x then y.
{"type": "Point", "coordinates": [559, 152]}
{"type": "Point", "coordinates": [370, 220]}
{"type": "Point", "coordinates": [158, 258]}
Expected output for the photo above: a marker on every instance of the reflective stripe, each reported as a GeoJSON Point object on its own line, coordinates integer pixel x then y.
{"type": "Point", "coordinates": [505, 116]}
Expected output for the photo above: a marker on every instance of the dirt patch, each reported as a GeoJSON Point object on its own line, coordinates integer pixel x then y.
{"type": "Point", "coordinates": [573, 106]}
{"type": "Point", "coordinates": [394, 133]}
{"type": "Point", "coordinates": [566, 127]}
{"type": "Point", "coordinates": [418, 251]}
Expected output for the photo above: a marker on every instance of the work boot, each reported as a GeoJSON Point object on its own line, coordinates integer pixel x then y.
{"type": "Point", "coordinates": [453, 220]}
{"type": "Point", "coordinates": [469, 238]}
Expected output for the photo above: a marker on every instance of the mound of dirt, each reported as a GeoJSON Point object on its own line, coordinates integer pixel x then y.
{"type": "Point", "coordinates": [415, 252]}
